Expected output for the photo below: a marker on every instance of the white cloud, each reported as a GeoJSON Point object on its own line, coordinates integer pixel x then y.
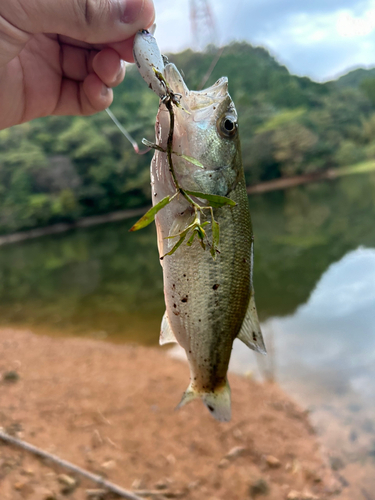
{"type": "Point", "coordinates": [348, 286]}
{"type": "Point", "coordinates": [348, 25]}
{"type": "Point", "coordinates": [318, 39]}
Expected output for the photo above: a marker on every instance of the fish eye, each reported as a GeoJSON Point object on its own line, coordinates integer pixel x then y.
{"type": "Point", "coordinates": [227, 126]}
{"type": "Point", "coordinates": [145, 32]}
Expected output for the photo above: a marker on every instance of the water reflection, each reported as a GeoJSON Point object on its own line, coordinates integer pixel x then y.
{"type": "Point", "coordinates": [106, 281]}
{"type": "Point", "coordinates": [97, 281]}
{"type": "Point", "coordinates": [324, 355]}
{"type": "Point", "coordinates": [333, 334]}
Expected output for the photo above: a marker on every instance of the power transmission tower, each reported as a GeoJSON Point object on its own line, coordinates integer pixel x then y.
{"type": "Point", "coordinates": [202, 24]}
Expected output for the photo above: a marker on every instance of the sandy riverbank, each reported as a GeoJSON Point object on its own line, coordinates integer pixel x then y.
{"type": "Point", "coordinates": [110, 409]}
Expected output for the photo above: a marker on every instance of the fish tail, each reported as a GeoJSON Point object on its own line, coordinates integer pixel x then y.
{"type": "Point", "coordinates": [218, 402]}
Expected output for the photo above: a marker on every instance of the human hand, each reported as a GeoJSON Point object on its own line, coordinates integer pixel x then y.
{"type": "Point", "coordinates": [61, 57]}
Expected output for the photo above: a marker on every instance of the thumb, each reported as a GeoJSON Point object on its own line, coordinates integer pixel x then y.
{"type": "Point", "coordinates": [91, 21]}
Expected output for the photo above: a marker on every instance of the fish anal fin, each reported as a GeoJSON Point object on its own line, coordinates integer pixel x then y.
{"type": "Point", "coordinates": [189, 395]}
{"type": "Point", "coordinates": [166, 334]}
{"type": "Point", "coordinates": [250, 332]}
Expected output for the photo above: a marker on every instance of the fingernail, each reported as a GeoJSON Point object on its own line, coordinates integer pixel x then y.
{"type": "Point", "coordinates": [132, 11]}
{"type": "Point", "coordinates": [121, 69]}
{"type": "Point", "coordinates": [104, 91]}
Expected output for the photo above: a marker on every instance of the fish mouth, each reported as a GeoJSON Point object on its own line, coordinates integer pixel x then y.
{"type": "Point", "coordinates": [193, 100]}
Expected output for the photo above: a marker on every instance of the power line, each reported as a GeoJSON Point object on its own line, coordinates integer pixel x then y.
{"type": "Point", "coordinates": [203, 25]}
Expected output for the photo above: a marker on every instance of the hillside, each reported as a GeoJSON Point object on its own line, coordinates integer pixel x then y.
{"type": "Point", "coordinates": [355, 77]}
{"type": "Point", "coordinates": [62, 168]}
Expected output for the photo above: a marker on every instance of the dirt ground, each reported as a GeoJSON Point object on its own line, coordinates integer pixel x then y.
{"type": "Point", "coordinates": [110, 409]}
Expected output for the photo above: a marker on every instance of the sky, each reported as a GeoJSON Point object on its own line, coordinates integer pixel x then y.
{"type": "Point", "coordinates": [320, 39]}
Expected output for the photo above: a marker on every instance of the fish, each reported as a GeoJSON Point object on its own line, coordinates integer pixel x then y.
{"type": "Point", "coordinates": [197, 181]}
{"type": "Point", "coordinates": [209, 301]}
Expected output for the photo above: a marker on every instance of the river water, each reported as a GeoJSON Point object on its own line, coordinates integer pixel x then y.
{"type": "Point", "coordinates": [315, 291]}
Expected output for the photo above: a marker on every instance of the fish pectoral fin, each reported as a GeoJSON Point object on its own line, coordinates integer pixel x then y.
{"type": "Point", "coordinates": [250, 333]}
{"type": "Point", "coordinates": [166, 334]}
{"type": "Point", "coordinates": [217, 402]}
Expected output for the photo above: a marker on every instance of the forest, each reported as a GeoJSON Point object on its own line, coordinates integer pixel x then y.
{"type": "Point", "coordinates": [59, 169]}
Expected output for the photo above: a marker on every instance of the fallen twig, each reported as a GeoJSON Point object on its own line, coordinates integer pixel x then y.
{"type": "Point", "coordinates": [160, 493]}
{"type": "Point", "coordinates": [67, 465]}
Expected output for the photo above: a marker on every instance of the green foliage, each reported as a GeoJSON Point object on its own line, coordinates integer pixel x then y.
{"type": "Point", "coordinates": [349, 153]}
{"type": "Point", "coordinates": [149, 216]}
{"type": "Point", "coordinates": [291, 144]}
{"type": "Point", "coordinates": [355, 78]}
{"type": "Point", "coordinates": [280, 119]}
{"type": "Point", "coordinates": [58, 169]}
{"type": "Point", "coordinates": [215, 200]}
{"type": "Point", "coordinates": [368, 87]}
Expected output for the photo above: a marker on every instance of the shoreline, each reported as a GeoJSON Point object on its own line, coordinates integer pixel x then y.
{"type": "Point", "coordinates": [94, 220]}
{"type": "Point", "coordinates": [110, 409]}
{"type": "Point", "coordinates": [288, 182]}
{"type": "Point", "coordinates": [263, 187]}
{"type": "Point", "coordinates": [63, 227]}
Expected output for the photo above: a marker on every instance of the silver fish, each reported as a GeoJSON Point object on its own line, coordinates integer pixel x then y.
{"type": "Point", "coordinates": [208, 302]}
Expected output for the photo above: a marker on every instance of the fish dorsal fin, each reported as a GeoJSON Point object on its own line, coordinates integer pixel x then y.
{"type": "Point", "coordinates": [250, 333]}
{"type": "Point", "coordinates": [166, 334]}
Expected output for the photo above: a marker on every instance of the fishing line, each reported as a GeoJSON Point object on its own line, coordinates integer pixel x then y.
{"type": "Point", "coordinates": [211, 68]}
{"type": "Point", "coordinates": [220, 50]}
{"type": "Point", "coordinates": [132, 141]}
